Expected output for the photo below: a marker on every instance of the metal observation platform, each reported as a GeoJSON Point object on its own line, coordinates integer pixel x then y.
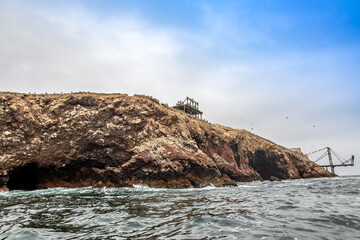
{"type": "Point", "coordinates": [189, 106]}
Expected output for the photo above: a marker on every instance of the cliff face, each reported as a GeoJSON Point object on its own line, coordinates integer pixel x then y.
{"type": "Point", "coordinates": [84, 139]}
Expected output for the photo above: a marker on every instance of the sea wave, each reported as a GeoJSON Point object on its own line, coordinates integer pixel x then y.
{"type": "Point", "coordinates": [292, 209]}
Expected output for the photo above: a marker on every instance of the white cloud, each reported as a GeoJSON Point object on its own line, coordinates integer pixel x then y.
{"type": "Point", "coordinates": [43, 51]}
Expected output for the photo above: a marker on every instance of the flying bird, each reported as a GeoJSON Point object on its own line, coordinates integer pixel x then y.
{"type": "Point", "coordinates": [314, 126]}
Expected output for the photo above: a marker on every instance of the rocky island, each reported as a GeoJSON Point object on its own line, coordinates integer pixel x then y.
{"type": "Point", "coordinates": [116, 140]}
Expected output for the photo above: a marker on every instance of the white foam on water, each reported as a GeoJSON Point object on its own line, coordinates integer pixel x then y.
{"type": "Point", "coordinates": [211, 186]}
{"type": "Point", "coordinates": [241, 185]}
{"type": "Point", "coordinates": [141, 186]}
{"type": "Point", "coordinates": [244, 186]}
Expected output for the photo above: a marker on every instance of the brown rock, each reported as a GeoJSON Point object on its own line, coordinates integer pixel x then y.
{"type": "Point", "coordinates": [273, 178]}
{"type": "Point", "coordinates": [87, 139]}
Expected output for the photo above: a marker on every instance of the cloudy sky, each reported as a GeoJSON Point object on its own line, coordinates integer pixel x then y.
{"type": "Point", "coordinates": [285, 70]}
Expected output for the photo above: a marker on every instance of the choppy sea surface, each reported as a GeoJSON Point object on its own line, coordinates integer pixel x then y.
{"type": "Point", "coordinates": [327, 208]}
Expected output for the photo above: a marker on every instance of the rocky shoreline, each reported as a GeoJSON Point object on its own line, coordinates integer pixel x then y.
{"type": "Point", "coordinates": [116, 140]}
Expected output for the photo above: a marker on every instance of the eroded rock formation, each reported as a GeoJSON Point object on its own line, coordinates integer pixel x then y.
{"type": "Point", "coordinates": [86, 139]}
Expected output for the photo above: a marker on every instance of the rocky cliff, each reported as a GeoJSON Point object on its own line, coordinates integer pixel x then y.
{"type": "Point", "coordinates": [86, 139]}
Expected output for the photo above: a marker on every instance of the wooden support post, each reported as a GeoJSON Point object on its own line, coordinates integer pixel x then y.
{"type": "Point", "coordinates": [330, 161]}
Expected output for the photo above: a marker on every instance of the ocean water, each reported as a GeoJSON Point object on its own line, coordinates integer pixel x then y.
{"type": "Point", "coordinates": [327, 208]}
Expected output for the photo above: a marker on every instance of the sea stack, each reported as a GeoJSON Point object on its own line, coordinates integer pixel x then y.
{"type": "Point", "coordinates": [116, 140]}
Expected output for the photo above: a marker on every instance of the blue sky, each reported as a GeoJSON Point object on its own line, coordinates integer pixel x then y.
{"type": "Point", "coordinates": [249, 63]}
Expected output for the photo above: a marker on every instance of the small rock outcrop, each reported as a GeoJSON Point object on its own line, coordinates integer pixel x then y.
{"type": "Point", "coordinates": [274, 179]}
{"type": "Point", "coordinates": [87, 139]}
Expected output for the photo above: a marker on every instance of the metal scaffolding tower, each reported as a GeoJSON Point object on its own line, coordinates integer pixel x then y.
{"type": "Point", "coordinates": [189, 106]}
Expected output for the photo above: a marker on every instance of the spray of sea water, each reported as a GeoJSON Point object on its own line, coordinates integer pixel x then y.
{"type": "Point", "coordinates": [327, 208]}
